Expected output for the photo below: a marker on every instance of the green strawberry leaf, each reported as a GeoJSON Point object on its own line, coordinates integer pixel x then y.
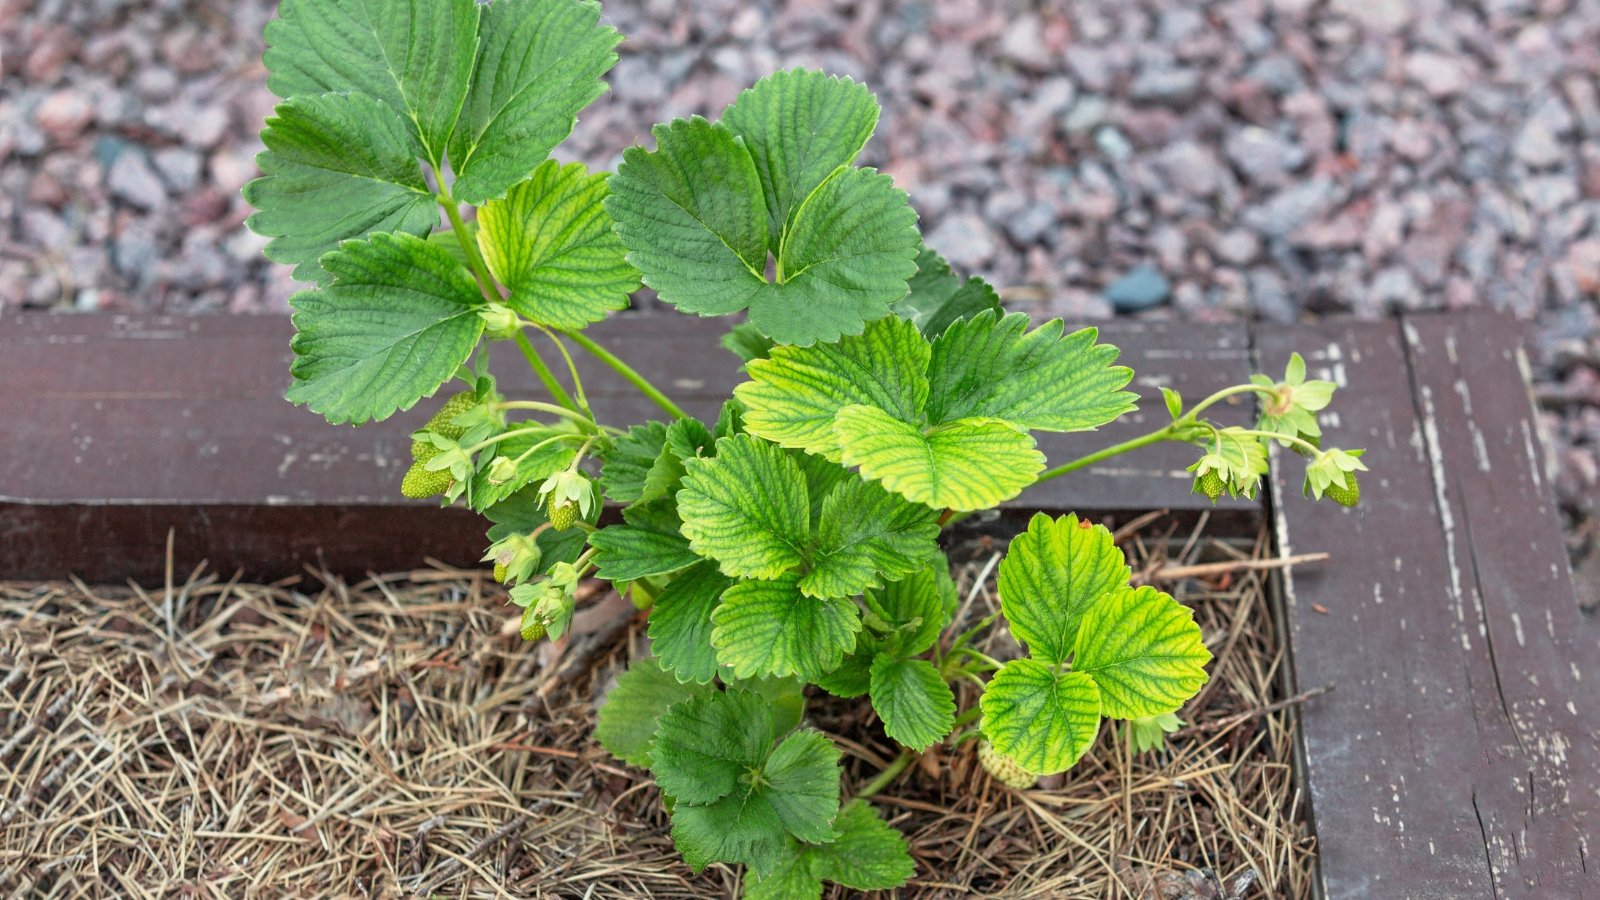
{"type": "Point", "coordinates": [705, 746]}
{"type": "Point", "coordinates": [686, 438]}
{"type": "Point", "coordinates": [680, 622]}
{"type": "Point", "coordinates": [745, 342]}
{"type": "Point", "coordinates": [916, 607]}
{"type": "Point", "coordinates": [740, 828]}
{"type": "Point", "coordinates": [853, 676]}
{"type": "Point", "coordinates": [990, 366]}
{"type": "Point", "coordinates": [845, 259]}
{"type": "Point", "coordinates": [785, 697]}
{"type": "Point", "coordinates": [336, 167]}
{"type": "Point", "coordinates": [533, 462]}
{"type": "Point", "coordinates": [868, 855]}
{"type": "Point", "coordinates": [822, 477]}
{"type": "Point", "coordinates": [649, 543]}
{"type": "Point", "coordinates": [1052, 574]}
{"type": "Point", "coordinates": [628, 462]}
{"type": "Point", "coordinates": [539, 63]}
{"type": "Point", "coordinates": [799, 126]}
{"type": "Point", "coordinates": [915, 704]}
{"type": "Point", "coordinates": [416, 56]}
{"type": "Point", "coordinates": [746, 508]}
{"type": "Point", "coordinates": [692, 217]}
{"type": "Point", "coordinates": [524, 511]}
{"type": "Point", "coordinates": [801, 781]}
{"type": "Point", "coordinates": [795, 394]}
{"type": "Point", "coordinates": [630, 711]}
{"type": "Point", "coordinates": [551, 243]}
{"type": "Point", "coordinates": [771, 628]}
{"type": "Point", "coordinates": [398, 320]}
{"type": "Point", "coordinates": [867, 535]}
{"type": "Point", "coordinates": [1144, 652]}
{"type": "Point", "coordinates": [939, 297]}
{"type": "Point", "coordinates": [965, 464]}
{"type": "Point", "coordinates": [1042, 718]}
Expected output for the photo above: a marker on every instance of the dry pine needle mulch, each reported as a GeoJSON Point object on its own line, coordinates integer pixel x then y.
{"type": "Point", "coordinates": [395, 738]}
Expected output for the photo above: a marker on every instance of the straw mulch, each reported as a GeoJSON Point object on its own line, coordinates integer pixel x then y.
{"type": "Point", "coordinates": [395, 738]}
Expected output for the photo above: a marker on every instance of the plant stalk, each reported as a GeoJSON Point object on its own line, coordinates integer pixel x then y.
{"type": "Point", "coordinates": [888, 775]}
{"type": "Point", "coordinates": [627, 372]}
{"type": "Point", "coordinates": [536, 362]}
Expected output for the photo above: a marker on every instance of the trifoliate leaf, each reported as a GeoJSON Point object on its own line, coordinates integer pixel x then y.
{"type": "Point", "coordinates": [1052, 573]}
{"type": "Point", "coordinates": [771, 628]}
{"type": "Point", "coordinates": [853, 676]}
{"type": "Point", "coordinates": [916, 607]}
{"type": "Point", "coordinates": [414, 55]}
{"type": "Point", "coordinates": [397, 321]}
{"type": "Point", "coordinates": [868, 855]}
{"type": "Point", "coordinates": [965, 464]}
{"type": "Point", "coordinates": [745, 342]}
{"type": "Point", "coordinates": [692, 217]}
{"type": "Point", "coordinates": [939, 297]}
{"type": "Point", "coordinates": [648, 543]}
{"type": "Point", "coordinates": [740, 828]}
{"type": "Point", "coordinates": [795, 394]}
{"type": "Point", "coordinates": [801, 781]}
{"type": "Point", "coordinates": [867, 535]}
{"type": "Point", "coordinates": [336, 167]}
{"type": "Point", "coordinates": [1144, 652]}
{"type": "Point", "coordinates": [551, 243]}
{"type": "Point", "coordinates": [680, 622]}
{"type": "Point", "coordinates": [846, 257]}
{"type": "Point", "coordinates": [746, 508]}
{"type": "Point", "coordinates": [686, 438]}
{"type": "Point", "coordinates": [630, 459]}
{"type": "Point", "coordinates": [915, 704]}
{"type": "Point", "coordinates": [1043, 719]}
{"type": "Point", "coordinates": [799, 126]}
{"type": "Point", "coordinates": [537, 453]}
{"type": "Point", "coordinates": [628, 717]}
{"type": "Point", "coordinates": [990, 366]}
{"type": "Point", "coordinates": [539, 63]}
{"type": "Point", "coordinates": [705, 747]}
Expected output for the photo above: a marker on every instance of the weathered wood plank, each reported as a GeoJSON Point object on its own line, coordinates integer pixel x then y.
{"type": "Point", "coordinates": [122, 428]}
{"type": "Point", "coordinates": [1458, 754]}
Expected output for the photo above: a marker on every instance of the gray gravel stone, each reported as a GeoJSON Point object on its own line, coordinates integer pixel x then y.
{"type": "Point", "coordinates": [132, 181]}
{"type": "Point", "coordinates": [1141, 288]}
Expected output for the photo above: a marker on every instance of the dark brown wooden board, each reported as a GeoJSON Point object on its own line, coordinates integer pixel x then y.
{"type": "Point", "coordinates": [1457, 755]}
{"type": "Point", "coordinates": [120, 429]}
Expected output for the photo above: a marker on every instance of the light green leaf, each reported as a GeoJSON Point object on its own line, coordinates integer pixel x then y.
{"type": "Point", "coordinates": [801, 781]}
{"type": "Point", "coordinates": [686, 438]}
{"type": "Point", "coordinates": [539, 63]}
{"type": "Point", "coordinates": [853, 676]}
{"type": "Point", "coordinates": [799, 126]}
{"type": "Point", "coordinates": [990, 366]}
{"type": "Point", "coordinates": [1043, 719]}
{"type": "Point", "coordinates": [551, 243]}
{"type": "Point", "coordinates": [692, 217]}
{"type": "Point", "coordinates": [1051, 575]}
{"type": "Point", "coordinates": [939, 297]}
{"type": "Point", "coordinates": [770, 628]}
{"type": "Point", "coordinates": [746, 508]}
{"type": "Point", "coordinates": [680, 622]}
{"type": "Point", "coordinates": [1144, 652]}
{"type": "Point", "coordinates": [414, 55]}
{"type": "Point", "coordinates": [845, 259]}
{"type": "Point", "coordinates": [965, 464]}
{"type": "Point", "coordinates": [822, 477]}
{"type": "Point", "coordinates": [532, 464]}
{"type": "Point", "coordinates": [915, 704]}
{"type": "Point", "coordinates": [628, 716]}
{"type": "Point", "coordinates": [867, 535]}
{"type": "Point", "coordinates": [795, 394]}
{"type": "Point", "coordinates": [868, 855]}
{"type": "Point", "coordinates": [397, 321]}
{"type": "Point", "coordinates": [917, 607]}
{"type": "Point", "coordinates": [650, 542]}
{"type": "Point", "coordinates": [705, 746]}
{"type": "Point", "coordinates": [785, 698]}
{"type": "Point", "coordinates": [336, 167]}
{"type": "Point", "coordinates": [628, 462]}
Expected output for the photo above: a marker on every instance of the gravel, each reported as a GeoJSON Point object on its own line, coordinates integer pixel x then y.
{"type": "Point", "coordinates": [1268, 159]}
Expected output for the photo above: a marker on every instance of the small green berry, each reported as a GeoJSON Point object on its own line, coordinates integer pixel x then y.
{"type": "Point", "coordinates": [422, 451]}
{"type": "Point", "coordinates": [1210, 484]}
{"type": "Point", "coordinates": [1347, 494]}
{"type": "Point", "coordinates": [533, 625]}
{"type": "Point", "coordinates": [419, 482]}
{"type": "Point", "coordinates": [455, 406]}
{"type": "Point", "coordinates": [563, 514]}
{"type": "Point", "coordinates": [500, 572]}
{"type": "Point", "coordinates": [1003, 768]}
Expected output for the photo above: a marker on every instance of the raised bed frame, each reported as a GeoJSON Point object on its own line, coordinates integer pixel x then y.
{"type": "Point", "coordinates": [1457, 755]}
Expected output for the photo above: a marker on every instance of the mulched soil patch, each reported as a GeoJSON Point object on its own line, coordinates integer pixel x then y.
{"type": "Point", "coordinates": [395, 737]}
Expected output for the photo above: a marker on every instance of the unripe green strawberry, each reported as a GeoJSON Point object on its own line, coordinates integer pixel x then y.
{"type": "Point", "coordinates": [533, 627]}
{"type": "Point", "coordinates": [1210, 484]}
{"type": "Point", "coordinates": [1004, 769]}
{"type": "Point", "coordinates": [455, 406]}
{"type": "Point", "coordinates": [563, 514]}
{"type": "Point", "coordinates": [422, 451]}
{"type": "Point", "coordinates": [420, 482]}
{"type": "Point", "coordinates": [1347, 494]}
{"type": "Point", "coordinates": [500, 572]}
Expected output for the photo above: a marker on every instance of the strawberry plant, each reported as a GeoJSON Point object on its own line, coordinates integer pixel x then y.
{"type": "Point", "coordinates": [794, 538]}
